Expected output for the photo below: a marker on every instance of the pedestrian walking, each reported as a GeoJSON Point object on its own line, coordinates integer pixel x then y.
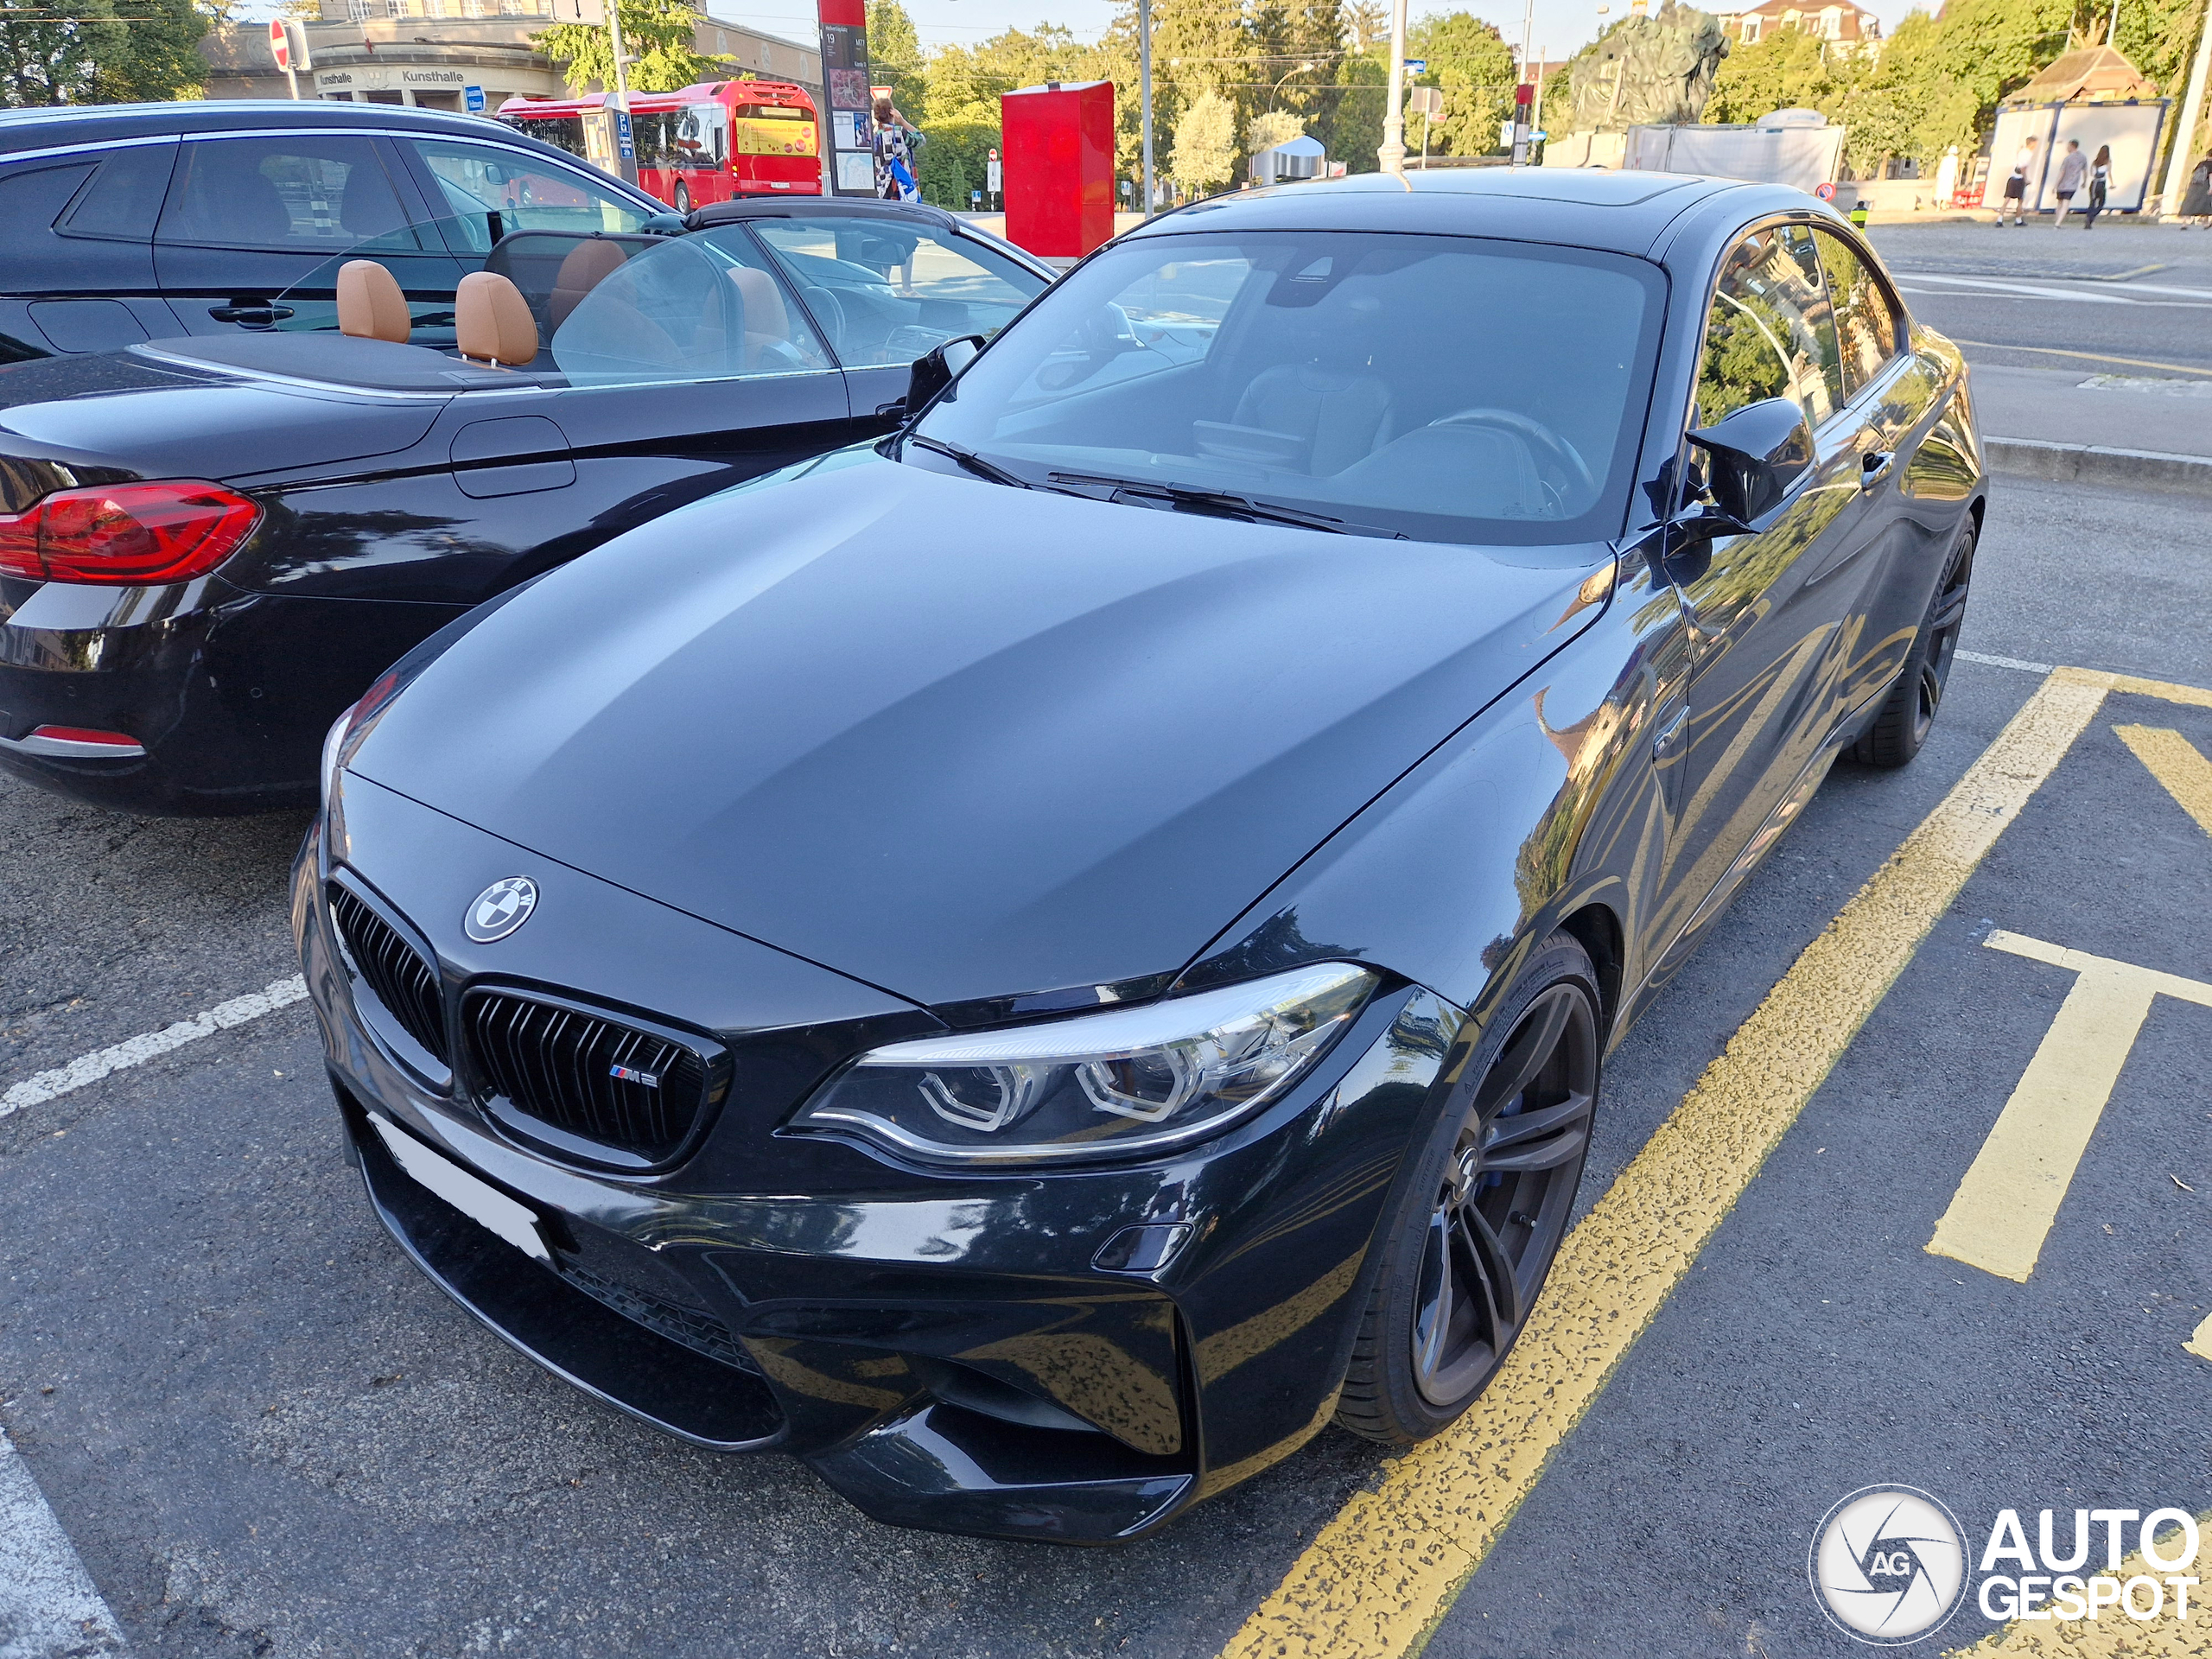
{"type": "Point", "coordinates": [2100, 182]}
{"type": "Point", "coordinates": [2016, 184]}
{"type": "Point", "coordinates": [2073, 167]}
{"type": "Point", "coordinates": [897, 139]}
{"type": "Point", "coordinates": [2197, 201]}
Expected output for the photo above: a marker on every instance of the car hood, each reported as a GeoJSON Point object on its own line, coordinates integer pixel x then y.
{"type": "Point", "coordinates": [959, 740]}
{"type": "Point", "coordinates": [126, 412]}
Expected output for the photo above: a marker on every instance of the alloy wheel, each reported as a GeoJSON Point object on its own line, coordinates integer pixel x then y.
{"type": "Point", "coordinates": [1945, 615]}
{"type": "Point", "coordinates": [1503, 1203]}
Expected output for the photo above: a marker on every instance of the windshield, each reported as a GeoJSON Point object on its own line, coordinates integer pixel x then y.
{"type": "Point", "coordinates": [1444, 388]}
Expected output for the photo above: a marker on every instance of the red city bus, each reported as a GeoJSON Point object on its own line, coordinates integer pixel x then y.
{"type": "Point", "coordinates": [708, 143]}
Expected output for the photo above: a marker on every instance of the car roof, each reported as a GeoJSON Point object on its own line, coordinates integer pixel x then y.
{"type": "Point", "coordinates": [1593, 207]}
{"type": "Point", "coordinates": [43, 128]}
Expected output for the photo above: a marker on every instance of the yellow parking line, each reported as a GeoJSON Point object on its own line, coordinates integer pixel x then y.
{"type": "Point", "coordinates": [2173, 1634]}
{"type": "Point", "coordinates": [2174, 762]}
{"type": "Point", "coordinates": [2009, 1198]}
{"type": "Point", "coordinates": [1378, 1577]}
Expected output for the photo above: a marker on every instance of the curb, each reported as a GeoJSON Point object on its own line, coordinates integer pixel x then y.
{"type": "Point", "coordinates": [2074, 463]}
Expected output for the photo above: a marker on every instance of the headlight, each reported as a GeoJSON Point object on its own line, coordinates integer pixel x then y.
{"type": "Point", "coordinates": [1115, 1085]}
{"type": "Point", "coordinates": [332, 756]}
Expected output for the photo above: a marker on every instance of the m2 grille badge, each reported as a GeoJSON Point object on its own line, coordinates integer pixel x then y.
{"type": "Point", "coordinates": [501, 908]}
{"type": "Point", "coordinates": [630, 1074]}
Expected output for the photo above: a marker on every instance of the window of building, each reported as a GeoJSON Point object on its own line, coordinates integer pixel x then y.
{"type": "Point", "coordinates": [1751, 30]}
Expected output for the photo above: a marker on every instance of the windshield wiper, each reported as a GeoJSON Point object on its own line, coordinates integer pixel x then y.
{"type": "Point", "coordinates": [974, 462]}
{"type": "Point", "coordinates": [1223, 504]}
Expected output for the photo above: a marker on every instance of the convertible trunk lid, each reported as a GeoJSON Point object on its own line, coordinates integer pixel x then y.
{"type": "Point", "coordinates": [959, 740]}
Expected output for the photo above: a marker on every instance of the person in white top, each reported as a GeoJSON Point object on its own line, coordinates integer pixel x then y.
{"type": "Point", "coordinates": [2072, 166]}
{"type": "Point", "coordinates": [2016, 184]}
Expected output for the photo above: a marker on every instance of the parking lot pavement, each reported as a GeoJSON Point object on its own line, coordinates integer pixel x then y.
{"type": "Point", "coordinates": [264, 1432]}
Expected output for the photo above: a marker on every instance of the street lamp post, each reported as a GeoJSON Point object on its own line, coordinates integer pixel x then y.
{"type": "Point", "coordinates": [2192, 109]}
{"type": "Point", "coordinates": [1144, 95]}
{"type": "Point", "coordinates": [1392, 155]}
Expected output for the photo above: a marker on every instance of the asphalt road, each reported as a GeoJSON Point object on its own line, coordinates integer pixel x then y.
{"type": "Point", "coordinates": [2033, 296]}
{"type": "Point", "coordinates": [265, 1433]}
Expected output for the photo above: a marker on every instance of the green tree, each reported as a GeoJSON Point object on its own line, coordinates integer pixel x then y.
{"type": "Point", "coordinates": [661, 35]}
{"type": "Point", "coordinates": [1786, 70]}
{"type": "Point", "coordinates": [1353, 131]}
{"type": "Point", "coordinates": [894, 59]}
{"type": "Point", "coordinates": [1206, 144]}
{"type": "Point", "coordinates": [163, 59]}
{"type": "Point", "coordinates": [86, 52]}
{"type": "Point", "coordinates": [1469, 62]}
{"type": "Point", "coordinates": [1269, 128]}
{"type": "Point", "coordinates": [957, 159]}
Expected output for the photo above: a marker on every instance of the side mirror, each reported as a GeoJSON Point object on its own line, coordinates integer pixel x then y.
{"type": "Point", "coordinates": [933, 373]}
{"type": "Point", "coordinates": [1756, 457]}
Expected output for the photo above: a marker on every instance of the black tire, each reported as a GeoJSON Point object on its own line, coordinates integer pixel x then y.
{"type": "Point", "coordinates": [1909, 711]}
{"type": "Point", "coordinates": [682, 193]}
{"type": "Point", "coordinates": [1482, 1214]}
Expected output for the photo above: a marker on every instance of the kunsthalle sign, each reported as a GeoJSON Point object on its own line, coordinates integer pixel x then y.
{"type": "Point", "coordinates": [845, 89]}
{"type": "Point", "coordinates": [390, 77]}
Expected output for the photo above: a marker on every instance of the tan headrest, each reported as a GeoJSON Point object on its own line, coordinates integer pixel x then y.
{"type": "Point", "coordinates": [587, 265]}
{"type": "Point", "coordinates": [764, 304]}
{"type": "Point", "coordinates": [491, 321]}
{"type": "Point", "coordinates": [369, 304]}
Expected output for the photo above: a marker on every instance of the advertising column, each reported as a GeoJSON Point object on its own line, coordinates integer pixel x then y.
{"type": "Point", "coordinates": [851, 148]}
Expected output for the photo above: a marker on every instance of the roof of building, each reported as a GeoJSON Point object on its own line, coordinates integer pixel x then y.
{"type": "Point", "coordinates": [2094, 74]}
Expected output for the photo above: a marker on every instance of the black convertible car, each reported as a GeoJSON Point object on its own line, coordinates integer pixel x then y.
{"type": "Point", "coordinates": [1037, 962]}
{"type": "Point", "coordinates": [210, 545]}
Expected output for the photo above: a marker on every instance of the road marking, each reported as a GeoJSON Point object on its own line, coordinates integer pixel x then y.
{"type": "Point", "coordinates": [2036, 290]}
{"type": "Point", "coordinates": [48, 1605]}
{"type": "Point", "coordinates": [2009, 1198]}
{"type": "Point", "coordinates": [91, 1067]}
{"type": "Point", "coordinates": [2174, 762]}
{"type": "Point", "coordinates": [1987, 661]}
{"type": "Point", "coordinates": [2173, 1635]}
{"type": "Point", "coordinates": [2089, 357]}
{"type": "Point", "coordinates": [2200, 1343]}
{"type": "Point", "coordinates": [1378, 1577]}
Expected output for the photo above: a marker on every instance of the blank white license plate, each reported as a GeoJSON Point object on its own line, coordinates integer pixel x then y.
{"type": "Point", "coordinates": [480, 1201]}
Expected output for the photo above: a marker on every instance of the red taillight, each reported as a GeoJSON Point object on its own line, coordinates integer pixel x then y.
{"type": "Point", "coordinates": [126, 534]}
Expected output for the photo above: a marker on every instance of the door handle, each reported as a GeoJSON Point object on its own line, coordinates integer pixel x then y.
{"type": "Point", "coordinates": [1670, 749]}
{"type": "Point", "coordinates": [255, 314]}
{"type": "Point", "coordinates": [1874, 466]}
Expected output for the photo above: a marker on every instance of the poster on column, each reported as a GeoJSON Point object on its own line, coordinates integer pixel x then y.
{"type": "Point", "coordinates": [845, 88]}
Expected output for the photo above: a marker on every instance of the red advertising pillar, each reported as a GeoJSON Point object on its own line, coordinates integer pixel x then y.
{"type": "Point", "coordinates": [849, 143]}
{"type": "Point", "coordinates": [1059, 167]}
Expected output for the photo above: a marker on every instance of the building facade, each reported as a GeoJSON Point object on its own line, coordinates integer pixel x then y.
{"type": "Point", "coordinates": [427, 52]}
{"type": "Point", "coordinates": [1848, 26]}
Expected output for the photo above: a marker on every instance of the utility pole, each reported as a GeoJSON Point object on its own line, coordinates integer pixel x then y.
{"type": "Point", "coordinates": [1392, 155]}
{"type": "Point", "coordinates": [2192, 109]}
{"type": "Point", "coordinates": [1144, 95]}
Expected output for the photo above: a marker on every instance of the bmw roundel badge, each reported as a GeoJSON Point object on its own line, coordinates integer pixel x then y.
{"type": "Point", "coordinates": [501, 908]}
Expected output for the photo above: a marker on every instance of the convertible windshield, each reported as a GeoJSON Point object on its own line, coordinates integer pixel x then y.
{"type": "Point", "coordinates": [1438, 387]}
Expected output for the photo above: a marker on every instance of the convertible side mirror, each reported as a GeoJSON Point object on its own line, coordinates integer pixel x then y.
{"type": "Point", "coordinates": [933, 373]}
{"type": "Point", "coordinates": [1756, 457]}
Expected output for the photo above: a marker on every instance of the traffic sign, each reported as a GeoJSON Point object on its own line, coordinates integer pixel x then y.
{"type": "Point", "coordinates": [471, 99]}
{"type": "Point", "coordinates": [622, 140]}
{"type": "Point", "coordinates": [288, 43]}
{"type": "Point", "coordinates": [1824, 191]}
{"type": "Point", "coordinates": [279, 48]}
{"type": "Point", "coordinates": [994, 176]}
{"type": "Point", "coordinates": [581, 11]}
{"type": "Point", "coordinates": [1416, 65]}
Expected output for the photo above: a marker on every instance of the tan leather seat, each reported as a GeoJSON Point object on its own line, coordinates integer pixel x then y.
{"type": "Point", "coordinates": [369, 304]}
{"type": "Point", "coordinates": [589, 265]}
{"type": "Point", "coordinates": [491, 322]}
{"type": "Point", "coordinates": [766, 322]}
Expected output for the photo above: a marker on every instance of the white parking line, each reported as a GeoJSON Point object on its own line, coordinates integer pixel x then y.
{"type": "Point", "coordinates": [48, 1605]}
{"type": "Point", "coordinates": [91, 1067]}
{"type": "Point", "coordinates": [2006, 662]}
{"type": "Point", "coordinates": [2014, 289]}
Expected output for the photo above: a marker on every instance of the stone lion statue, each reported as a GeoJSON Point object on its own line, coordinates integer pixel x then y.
{"type": "Point", "coordinates": [1656, 69]}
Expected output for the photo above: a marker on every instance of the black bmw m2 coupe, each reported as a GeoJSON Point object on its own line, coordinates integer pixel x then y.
{"type": "Point", "coordinates": [1037, 961]}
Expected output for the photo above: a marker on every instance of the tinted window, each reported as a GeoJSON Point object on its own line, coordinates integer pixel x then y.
{"type": "Point", "coordinates": [889, 292]}
{"type": "Point", "coordinates": [527, 193]}
{"type": "Point", "coordinates": [1441, 387]}
{"type": "Point", "coordinates": [692, 307]}
{"type": "Point", "coordinates": [1865, 327]}
{"type": "Point", "coordinates": [1770, 332]}
{"type": "Point", "coordinates": [33, 198]}
{"type": "Point", "coordinates": [561, 131]}
{"type": "Point", "coordinates": [294, 191]}
{"type": "Point", "coordinates": [123, 199]}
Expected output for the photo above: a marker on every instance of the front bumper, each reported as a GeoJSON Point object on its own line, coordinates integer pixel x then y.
{"type": "Point", "coordinates": [943, 1350]}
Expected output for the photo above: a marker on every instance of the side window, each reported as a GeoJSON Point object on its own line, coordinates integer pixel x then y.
{"type": "Point", "coordinates": [1866, 327]}
{"type": "Point", "coordinates": [123, 199]}
{"type": "Point", "coordinates": [1770, 332]}
{"type": "Point", "coordinates": [33, 198]}
{"type": "Point", "coordinates": [887, 292]}
{"type": "Point", "coordinates": [694, 307]}
{"type": "Point", "coordinates": [525, 193]}
{"type": "Point", "coordinates": [299, 192]}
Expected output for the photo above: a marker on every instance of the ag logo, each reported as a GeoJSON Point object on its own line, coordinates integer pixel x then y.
{"type": "Point", "coordinates": [1887, 1565]}
{"type": "Point", "coordinates": [501, 908]}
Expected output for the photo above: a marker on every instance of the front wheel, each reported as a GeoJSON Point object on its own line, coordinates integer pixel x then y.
{"type": "Point", "coordinates": [1908, 711]}
{"type": "Point", "coordinates": [682, 197]}
{"type": "Point", "coordinates": [1485, 1211]}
